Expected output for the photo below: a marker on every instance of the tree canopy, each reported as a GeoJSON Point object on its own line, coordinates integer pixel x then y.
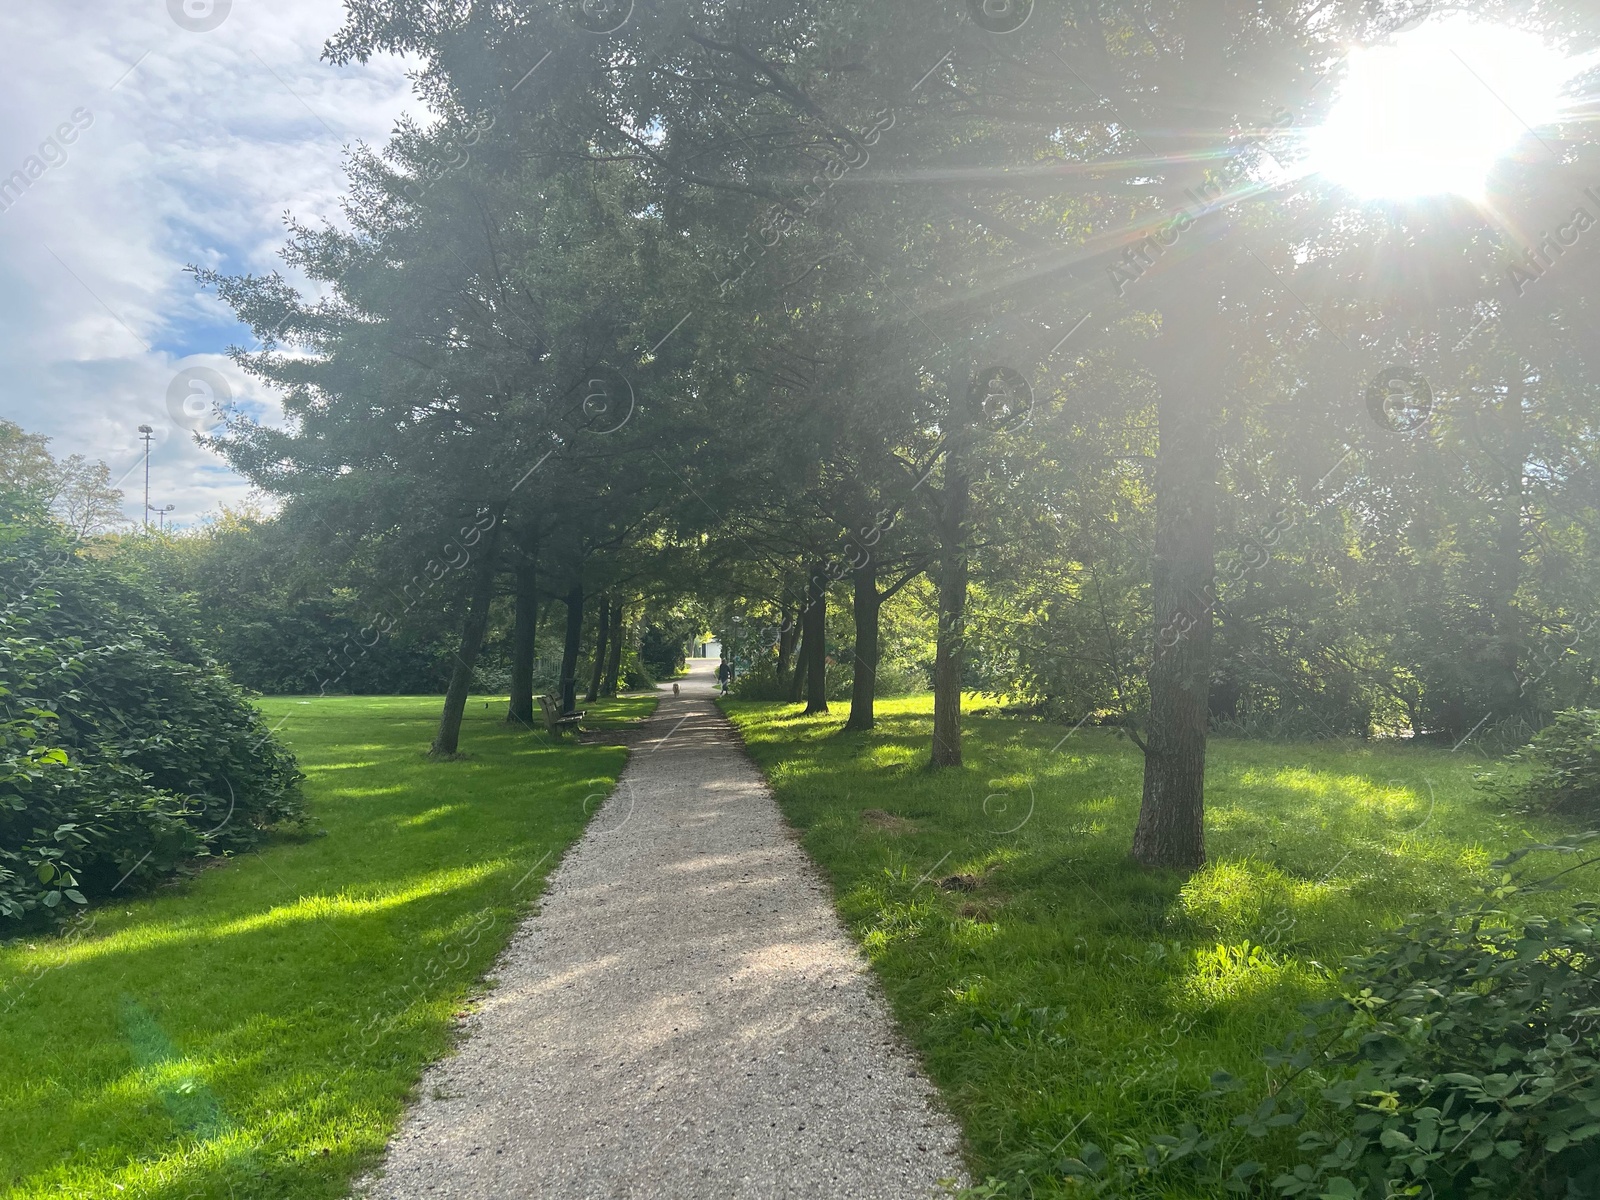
{"type": "Point", "coordinates": [1015, 329]}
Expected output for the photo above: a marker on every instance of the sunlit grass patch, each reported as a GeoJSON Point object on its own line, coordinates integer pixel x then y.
{"type": "Point", "coordinates": [255, 1032]}
{"type": "Point", "coordinates": [1070, 994]}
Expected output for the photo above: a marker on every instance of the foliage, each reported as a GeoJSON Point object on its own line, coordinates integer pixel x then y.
{"type": "Point", "coordinates": [295, 997]}
{"type": "Point", "coordinates": [77, 491]}
{"type": "Point", "coordinates": [664, 648]}
{"type": "Point", "coordinates": [1565, 779]}
{"type": "Point", "coordinates": [285, 619]}
{"type": "Point", "coordinates": [125, 750]}
{"type": "Point", "coordinates": [1461, 1060]}
{"type": "Point", "coordinates": [1472, 1038]}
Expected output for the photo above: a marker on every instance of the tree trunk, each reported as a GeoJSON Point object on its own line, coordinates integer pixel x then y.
{"type": "Point", "coordinates": [864, 685]}
{"type": "Point", "coordinates": [816, 641]}
{"type": "Point", "coordinates": [569, 652]}
{"type": "Point", "coordinates": [788, 636]}
{"type": "Point", "coordinates": [949, 649]}
{"type": "Point", "coordinates": [614, 658]}
{"type": "Point", "coordinates": [602, 631]}
{"type": "Point", "coordinates": [523, 646]}
{"type": "Point", "coordinates": [474, 624]}
{"type": "Point", "coordinates": [797, 685]}
{"type": "Point", "coordinates": [1171, 829]}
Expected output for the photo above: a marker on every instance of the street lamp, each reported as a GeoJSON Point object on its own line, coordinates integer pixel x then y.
{"type": "Point", "coordinates": [161, 517]}
{"type": "Point", "coordinates": [146, 433]}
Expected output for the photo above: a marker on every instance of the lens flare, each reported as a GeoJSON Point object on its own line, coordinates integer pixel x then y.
{"type": "Point", "coordinates": [1431, 112]}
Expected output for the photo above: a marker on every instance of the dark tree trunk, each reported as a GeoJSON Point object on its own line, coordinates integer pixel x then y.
{"type": "Point", "coordinates": [614, 657]}
{"type": "Point", "coordinates": [602, 631]}
{"type": "Point", "coordinates": [569, 652]}
{"type": "Point", "coordinates": [864, 684]}
{"type": "Point", "coordinates": [816, 641]}
{"type": "Point", "coordinates": [788, 637]}
{"type": "Point", "coordinates": [474, 624]}
{"type": "Point", "coordinates": [949, 649]}
{"type": "Point", "coordinates": [523, 646]}
{"type": "Point", "coordinates": [1171, 829]}
{"type": "Point", "coordinates": [797, 685]}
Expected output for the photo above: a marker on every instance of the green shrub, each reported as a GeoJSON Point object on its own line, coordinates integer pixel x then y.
{"type": "Point", "coordinates": [759, 683]}
{"type": "Point", "coordinates": [1460, 1061]}
{"type": "Point", "coordinates": [894, 679]}
{"type": "Point", "coordinates": [125, 750]}
{"type": "Point", "coordinates": [1471, 1047]}
{"type": "Point", "coordinates": [1565, 780]}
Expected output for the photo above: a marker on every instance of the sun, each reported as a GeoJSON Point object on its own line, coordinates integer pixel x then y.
{"type": "Point", "coordinates": [1431, 111]}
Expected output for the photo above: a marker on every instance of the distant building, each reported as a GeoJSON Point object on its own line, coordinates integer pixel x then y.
{"type": "Point", "coordinates": [711, 649]}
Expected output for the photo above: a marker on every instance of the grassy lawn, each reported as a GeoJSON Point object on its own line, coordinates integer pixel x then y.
{"type": "Point", "coordinates": [254, 1032]}
{"type": "Point", "coordinates": [1057, 992]}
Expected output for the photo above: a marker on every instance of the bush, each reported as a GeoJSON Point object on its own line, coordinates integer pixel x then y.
{"type": "Point", "coordinates": [1473, 1044]}
{"type": "Point", "coordinates": [125, 750]}
{"type": "Point", "coordinates": [759, 683]}
{"type": "Point", "coordinates": [894, 679]}
{"type": "Point", "coordinates": [661, 650]}
{"type": "Point", "coordinates": [1461, 1061]}
{"type": "Point", "coordinates": [1565, 780]}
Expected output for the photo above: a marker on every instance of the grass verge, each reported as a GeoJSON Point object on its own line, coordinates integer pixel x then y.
{"type": "Point", "coordinates": [256, 1031]}
{"type": "Point", "coordinates": [1058, 993]}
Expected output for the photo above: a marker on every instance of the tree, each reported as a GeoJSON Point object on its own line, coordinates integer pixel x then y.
{"type": "Point", "coordinates": [464, 377]}
{"type": "Point", "coordinates": [77, 491]}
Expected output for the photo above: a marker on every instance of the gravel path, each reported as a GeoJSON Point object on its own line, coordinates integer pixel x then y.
{"type": "Point", "coordinates": [684, 1017]}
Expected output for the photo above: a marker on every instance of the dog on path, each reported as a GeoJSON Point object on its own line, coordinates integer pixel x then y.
{"type": "Point", "coordinates": [674, 689]}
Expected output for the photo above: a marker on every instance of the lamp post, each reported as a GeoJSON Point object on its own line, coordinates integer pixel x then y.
{"type": "Point", "coordinates": [146, 433]}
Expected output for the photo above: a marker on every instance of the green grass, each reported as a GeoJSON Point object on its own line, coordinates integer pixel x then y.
{"type": "Point", "coordinates": [1070, 996]}
{"type": "Point", "coordinates": [255, 1031]}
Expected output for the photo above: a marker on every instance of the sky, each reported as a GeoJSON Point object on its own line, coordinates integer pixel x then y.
{"type": "Point", "coordinates": [192, 128]}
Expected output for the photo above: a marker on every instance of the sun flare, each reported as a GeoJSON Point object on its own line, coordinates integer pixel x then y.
{"type": "Point", "coordinates": [1432, 111]}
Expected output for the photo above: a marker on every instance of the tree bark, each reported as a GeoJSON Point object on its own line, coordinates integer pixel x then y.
{"type": "Point", "coordinates": [1171, 829]}
{"type": "Point", "coordinates": [866, 606]}
{"type": "Point", "coordinates": [523, 646]}
{"type": "Point", "coordinates": [949, 649]}
{"type": "Point", "coordinates": [788, 637]}
{"type": "Point", "coordinates": [474, 624]}
{"type": "Point", "coordinates": [614, 658]}
{"type": "Point", "coordinates": [602, 632]}
{"type": "Point", "coordinates": [816, 641]}
{"type": "Point", "coordinates": [569, 652]}
{"type": "Point", "coordinates": [797, 685]}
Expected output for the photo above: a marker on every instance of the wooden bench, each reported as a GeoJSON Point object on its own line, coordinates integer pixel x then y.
{"type": "Point", "coordinates": [553, 720]}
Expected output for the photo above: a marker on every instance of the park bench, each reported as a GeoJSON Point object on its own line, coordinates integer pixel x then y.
{"type": "Point", "coordinates": [553, 720]}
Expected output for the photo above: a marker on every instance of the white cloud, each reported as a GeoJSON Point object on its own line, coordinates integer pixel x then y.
{"type": "Point", "coordinates": [199, 143]}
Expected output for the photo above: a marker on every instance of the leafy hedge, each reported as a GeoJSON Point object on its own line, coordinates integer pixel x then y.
{"type": "Point", "coordinates": [125, 750]}
{"type": "Point", "coordinates": [1565, 780]}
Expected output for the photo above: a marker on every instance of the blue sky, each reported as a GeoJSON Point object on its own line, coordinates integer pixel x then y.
{"type": "Point", "coordinates": [188, 145]}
